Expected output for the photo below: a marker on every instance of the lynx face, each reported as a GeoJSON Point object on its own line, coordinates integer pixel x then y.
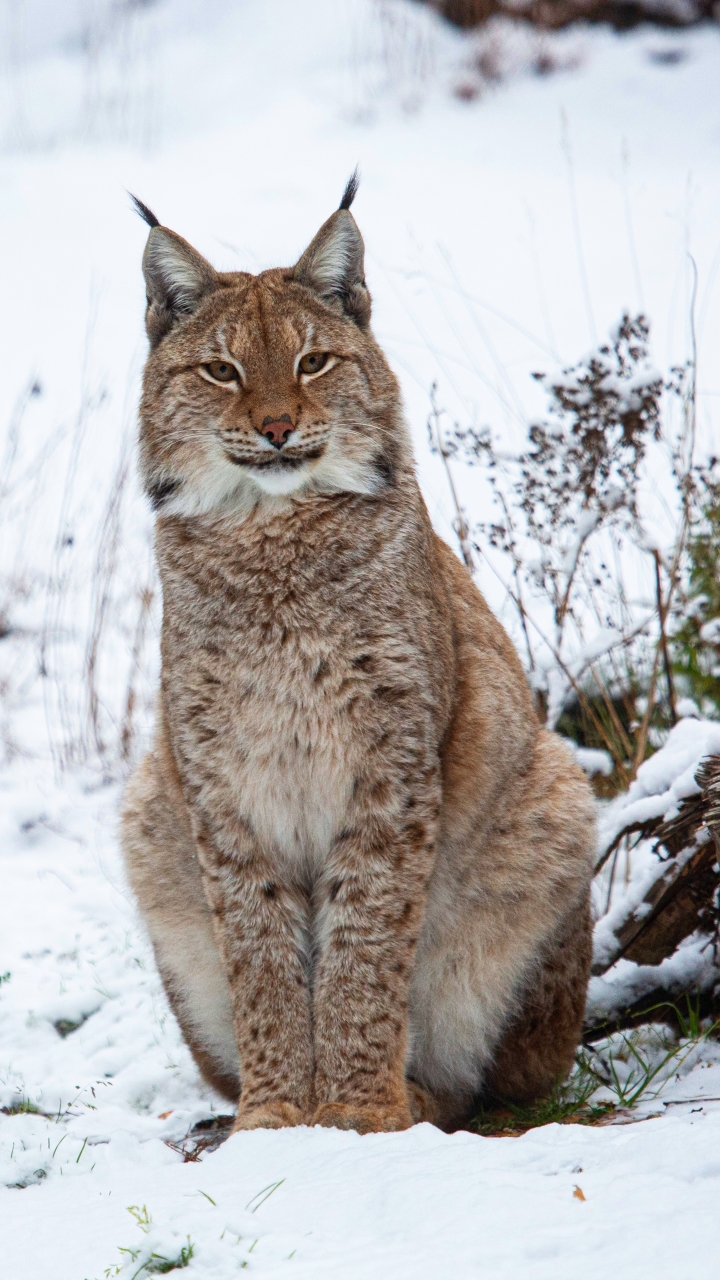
{"type": "Point", "coordinates": [263, 386]}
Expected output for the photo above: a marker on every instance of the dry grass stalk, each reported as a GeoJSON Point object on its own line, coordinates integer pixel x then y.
{"type": "Point", "coordinates": [564, 504]}
{"type": "Point", "coordinates": [127, 728]}
{"type": "Point", "coordinates": [102, 593]}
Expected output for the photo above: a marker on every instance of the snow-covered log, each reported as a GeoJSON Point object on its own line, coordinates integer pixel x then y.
{"type": "Point", "coordinates": [658, 936]}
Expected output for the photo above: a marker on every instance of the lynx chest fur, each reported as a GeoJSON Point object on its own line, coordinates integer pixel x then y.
{"type": "Point", "coordinates": [363, 864]}
{"type": "Point", "coordinates": [300, 656]}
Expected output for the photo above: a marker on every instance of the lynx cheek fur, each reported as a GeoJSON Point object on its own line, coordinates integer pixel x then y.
{"type": "Point", "coordinates": [363, 865]}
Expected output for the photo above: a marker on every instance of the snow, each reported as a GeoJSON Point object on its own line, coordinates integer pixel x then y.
{"type": "Point", "coordinates": [665, 779]}
{"type": "Point", "coordinates": [591, 760]}
{"type": "Point", "coordinates": [710, 631]}
{"type": "Point", "coordinates": [687, 707]}
{"type": "Point", "coordinates": [418, 1204]}
{"type": "Point", "coordinates": [412, 1204]}
{"type": "Point", "coordinates": [507, 227]}
{"type": "Point", "coordinates": [662, 782]}
{"type": "Point", "coordinates": [692, 967]}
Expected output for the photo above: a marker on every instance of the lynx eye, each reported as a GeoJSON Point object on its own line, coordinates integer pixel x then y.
{"type": "Point", "coordinates": [221, 371]}
{"type": "Point", "coordinates": [314, 361]}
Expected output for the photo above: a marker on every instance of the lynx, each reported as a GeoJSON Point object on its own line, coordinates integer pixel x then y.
{"type": "Point", "coordinates": [363, 865]}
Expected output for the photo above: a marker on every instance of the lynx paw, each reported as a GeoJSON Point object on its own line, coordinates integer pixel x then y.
{"type": "Point", "coordinates": [364, 1119]}
{"type": "Point", "coordinates": [273, 1115]}
{"type": "Point", "coordinates": [422, 1104]}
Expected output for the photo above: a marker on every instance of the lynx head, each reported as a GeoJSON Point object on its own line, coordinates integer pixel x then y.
{"type": "Point", "coordinates": [264, 385]}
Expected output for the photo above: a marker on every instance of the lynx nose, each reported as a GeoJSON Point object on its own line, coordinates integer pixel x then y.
{"type": "Point", "coordinates": [277, 430]}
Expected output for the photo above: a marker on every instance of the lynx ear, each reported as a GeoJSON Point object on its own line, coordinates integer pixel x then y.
{"type": "Point", "coordinates": [333, 265]}
{"type": "Point", "coordinates": [177, 278]}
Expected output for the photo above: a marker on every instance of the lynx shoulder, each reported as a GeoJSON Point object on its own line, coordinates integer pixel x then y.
{"type": "Point", "coordinates": [363, 865]}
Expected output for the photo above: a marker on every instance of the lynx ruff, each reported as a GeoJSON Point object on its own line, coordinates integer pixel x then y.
{"type": "Point", "coordinates": [363, 865]}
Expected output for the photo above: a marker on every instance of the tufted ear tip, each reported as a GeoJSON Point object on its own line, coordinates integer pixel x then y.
{"type": "Point", "coordinates": [333, 265]}
{"type": "Point", "coordinates": [146, 214]}
{"type": "Point", "coordinates": [351, 189]}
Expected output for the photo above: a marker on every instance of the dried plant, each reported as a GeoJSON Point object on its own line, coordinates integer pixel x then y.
{"type": "Point", "coordinates": [77, 593]}
{"type": "Point", "coordinates": [565, 510]}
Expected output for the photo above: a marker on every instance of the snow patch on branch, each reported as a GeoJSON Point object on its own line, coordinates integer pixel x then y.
{"type": "Point", "coordinates": [664, 780]}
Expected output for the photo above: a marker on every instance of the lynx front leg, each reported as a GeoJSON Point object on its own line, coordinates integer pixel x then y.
{"type": "Point", "coordinates": [369, 921]}
{"type": "Point", "coordinates": [260, 925]}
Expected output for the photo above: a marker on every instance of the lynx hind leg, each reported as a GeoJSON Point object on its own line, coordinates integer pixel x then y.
{"type": "Point", "coordinates": [503, 960]}
{"type": "Point", "coordinates": [163, 872]}
{"type": "Point", "coordinates": [538, 1047]}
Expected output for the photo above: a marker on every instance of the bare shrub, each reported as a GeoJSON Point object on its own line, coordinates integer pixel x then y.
{"type": "Point", "coordinates": [565, 511]}
{"type": "Point", "coordinates": [694, 622]}
{"type": "Point", "coordinates": [113, 93]}
{"type": "Point", "coordinates": [393, 55]}
{"type": "Point", "coordinates": [77, 593]}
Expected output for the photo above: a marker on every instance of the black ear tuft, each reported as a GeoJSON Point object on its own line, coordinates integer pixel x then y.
{"type": "Point", "coordinates": [147, 214]}
{"type": "Point", "coordinates": [350, 191]}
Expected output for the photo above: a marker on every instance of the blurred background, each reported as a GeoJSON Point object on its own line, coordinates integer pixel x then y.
{"type": "Point", "coordinates": [540, 202]}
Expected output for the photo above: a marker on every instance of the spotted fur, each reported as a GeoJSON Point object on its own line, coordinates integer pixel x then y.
{"type": "Point", "coordinates": [363, 865]}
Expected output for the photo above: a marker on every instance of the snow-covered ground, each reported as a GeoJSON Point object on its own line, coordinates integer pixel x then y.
{"type": "Point", "coordinates": [509, 218]}
{"type": "Point", "coordinates": [417, 1204]}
